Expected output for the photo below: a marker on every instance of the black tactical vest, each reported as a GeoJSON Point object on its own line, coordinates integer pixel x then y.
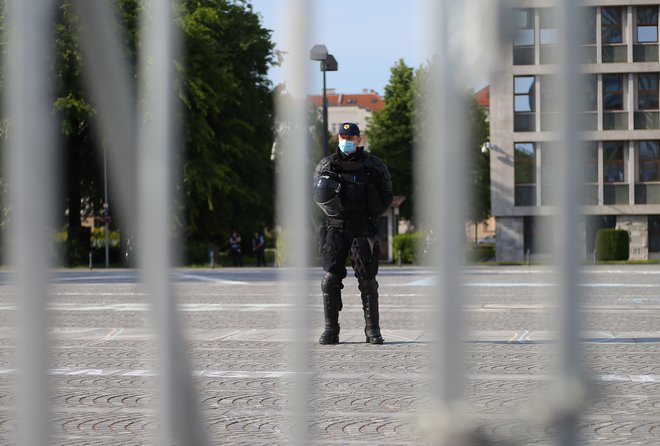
{"type": "Point", "coordinates": [359, 195]}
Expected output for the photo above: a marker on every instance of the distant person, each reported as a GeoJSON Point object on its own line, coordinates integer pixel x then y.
{"type": "Point", "coordinates": [353, 189]}
{"type": "Point", "coordinates": [258, 246]}
{"type": "Point", "coordinates": [235, 248]}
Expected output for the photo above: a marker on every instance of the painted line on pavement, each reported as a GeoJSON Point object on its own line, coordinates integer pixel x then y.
{"type": "Point", "coordinates": [432, 281]}
{"type": "Point", "coordinates": [209, 279]}
{"type": "Point", "coordinates": [251, 374]}
{"type": "Point", "coordinates": [149, 373]}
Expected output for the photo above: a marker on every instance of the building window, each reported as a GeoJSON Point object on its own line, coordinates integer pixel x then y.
{"type": "Point", "coordinates": [591, 162]}
{"type": "Point", "coordinates": [612, 25]}
{"type": "Point", "coordinates": [654, 233]}
{"type": "Point", "coordinates": [550, 95]}
{"type": "Point", "coordinates": [548, 35]}
{"type": "Point", "coordinates": [613, 92]}
{"type": "Point", "coordinates": [613, 171]}
{"type": "Point", "coordinates": [525, 174]}
{"type": "Point", "coordinates": [589, 36]}
{"type": "Point", "coordinates": [647, 24]}
{"type": "Point", "coordinates": [612, 36]}
{"type": "Point", "coordinates": [647, 91]}
{"type": "Point", "coordinates": [589, 32]}
{"type": "Point", "coordinates": [524, 104]}
{"type": "Point", "coordinates": [523, 41]}
{"type": "Point", "coordinates": [649, 161]}
{"type": "Point", "coordinates": [590, 188]}
{"type": "Point", "coordinates": [524, 20]}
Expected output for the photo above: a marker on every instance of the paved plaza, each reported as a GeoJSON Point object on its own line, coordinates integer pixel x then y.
{"type": "Point", "coordinates": [236, 322]}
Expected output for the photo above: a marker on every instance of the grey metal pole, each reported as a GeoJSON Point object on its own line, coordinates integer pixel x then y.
{"type": "Point", "coordinates": [106, 209]}
{"type": "Point", "coordinates": [325, 112]}
{"type": "Point", "coordinates": [441, 166]}
{"type": "Point", "coordinates": [29, 169]}
{"type": "Point", "coordinates": [107, 77]}
{"type": "Point", "coordinates": [180, 417]}
{"type": "Point", "coordinates": [293, 196]}
{"type": "Point", "coordinates": [571, 153]}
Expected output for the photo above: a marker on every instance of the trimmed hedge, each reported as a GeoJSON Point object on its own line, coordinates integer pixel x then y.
{"type": "Point", "coordinates": [409, 245]}
{"type": "Point", "coordinates": [612, 244]}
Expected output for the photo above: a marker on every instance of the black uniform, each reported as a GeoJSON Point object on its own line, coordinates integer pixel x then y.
{"type": "Point", "coordinates": [366, 193]}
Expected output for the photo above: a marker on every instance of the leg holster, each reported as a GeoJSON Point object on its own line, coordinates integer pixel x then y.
{"type": "Point", "coordinates": [331, 288]}
{"type": "Point", "coordinates": [369, 294]}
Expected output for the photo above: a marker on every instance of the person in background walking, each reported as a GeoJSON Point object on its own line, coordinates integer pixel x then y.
{"type": "Point", "coordinates": [235, 248]}
{"type": "Point", "coordinates": [258, 246]}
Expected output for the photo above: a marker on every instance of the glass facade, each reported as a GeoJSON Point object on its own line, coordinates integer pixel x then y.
{"type": "Point", "coordinates": [525, 174]}
{"type": "Point", "coordinates": [647, 24]}
{"type": "Point", "coordinates": [611, 25]}
{"type": "Point", "coordinates": [620, 96]}
{"type": "Point", "coordinates": [524, 103]}
{"type": "Point", "coordinates": [524, 38]}
{"type": "Point", "coordinates": [649, 161]}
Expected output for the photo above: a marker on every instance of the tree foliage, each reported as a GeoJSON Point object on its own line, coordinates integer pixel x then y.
{"type": "Point", "coordinates": [228, 111]}
{"type": "Point", "coordinates": [394, 133]}
{"type": "Point", "coordinates": [225, 111]}
{"type": "Point", "coordinates": [478, 162]}
{"type": "Point", "coordinates": [390, 132]}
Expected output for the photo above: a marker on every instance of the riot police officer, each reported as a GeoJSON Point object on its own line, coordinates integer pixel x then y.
{"type": "Point", "coordinates": [353, 189]}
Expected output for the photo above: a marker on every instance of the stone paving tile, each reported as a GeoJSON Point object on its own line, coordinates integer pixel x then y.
{"type": "Point", "coordinates": [103, 388]}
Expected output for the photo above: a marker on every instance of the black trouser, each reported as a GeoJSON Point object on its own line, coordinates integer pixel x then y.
{"type": "Point", "coordinates": [364, 251]}
{"type": "Point", "coordinates": [261, 259]}
{"type": "Point", "coordinates": [236, 256]}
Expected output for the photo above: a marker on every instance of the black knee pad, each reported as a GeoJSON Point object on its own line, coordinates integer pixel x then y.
{"type": "Point", "coordinates": [368, 286]}
{"type": "Point", "coordinates": [331, 282]}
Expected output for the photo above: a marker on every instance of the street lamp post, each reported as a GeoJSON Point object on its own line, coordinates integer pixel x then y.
{"type": "Point", "coordinates": [328, 63]}
{"type": "Point", "coordinates": [106, 211]}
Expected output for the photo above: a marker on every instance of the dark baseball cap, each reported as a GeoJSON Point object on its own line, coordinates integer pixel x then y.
{"type": "Point", "coordinates": [349, 129]}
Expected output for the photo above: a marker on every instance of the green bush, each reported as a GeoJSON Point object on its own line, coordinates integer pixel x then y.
{"type": "Point", "coordinates": [98, 238]}
{"type": "Point", "coordinates": [612, 244]}
{"type": "Point", "coordinates": [409, 245]}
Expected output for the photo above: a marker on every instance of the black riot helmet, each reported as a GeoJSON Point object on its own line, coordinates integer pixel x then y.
{"type": "Point", "coordinates": [327, 189]}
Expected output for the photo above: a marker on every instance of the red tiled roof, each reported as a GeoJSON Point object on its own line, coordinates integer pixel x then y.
{"type": "Point", "coordinates": [483, 96]}
{"type": "Point", "coordinates": [370, 101]}
{"type": "Point", "coordinates": [397, 201]}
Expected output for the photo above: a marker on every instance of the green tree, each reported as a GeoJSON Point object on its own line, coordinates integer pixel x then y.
{"type": "Point", "coordinates": [228, 113]}
{"type": "Point", "coordinates": [478, 162]}
{"type": "Point", "coordinates": [395, 131]}
{"type": "Point", "coordinates": [390, 132]}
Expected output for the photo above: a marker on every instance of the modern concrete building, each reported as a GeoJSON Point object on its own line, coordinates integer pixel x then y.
{"type": "Point", "coordinates": [621, 127]}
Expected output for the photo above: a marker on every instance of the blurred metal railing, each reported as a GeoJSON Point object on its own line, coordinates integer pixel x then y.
{"type": "Point", "coordinates": [145, 139]}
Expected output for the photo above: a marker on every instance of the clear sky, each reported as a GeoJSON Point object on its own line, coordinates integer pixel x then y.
{"type": "Point", "coordinates": [366, 37]}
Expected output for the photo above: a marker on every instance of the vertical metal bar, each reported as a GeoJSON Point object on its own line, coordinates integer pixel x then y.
{"type": "Point", "coordinates": [107, 76]}
{"type": "Point", "coordinates": [441, 167]}
{"type": "Point", "coordinates": [293, 181]}
{"type": "Point", "coordinates": [29, 162]}
{"type": "Point", "coordinates": [180, 417]}
{"type": "Point", "coordinates": [325, 112]}
{"type": "Point", "coordinates": [568, 255]}
{"type": "Point", "coordinates": [106, 208]}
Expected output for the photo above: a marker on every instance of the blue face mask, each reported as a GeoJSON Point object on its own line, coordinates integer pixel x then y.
{"type": "Point", "coordinates": [346, 147]}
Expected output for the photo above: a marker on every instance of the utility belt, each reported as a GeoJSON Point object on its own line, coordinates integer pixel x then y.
{"type": "Point", "coordinates": [357, 227]}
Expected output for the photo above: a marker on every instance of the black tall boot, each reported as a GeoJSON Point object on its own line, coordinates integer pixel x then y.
{"type": "Point", "coordinates": [369, 292]}
{"type": "Point", "coordinates": [331, 287]}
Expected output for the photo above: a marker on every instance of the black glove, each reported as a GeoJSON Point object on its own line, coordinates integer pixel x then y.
{"type": "Point", "coordinates": [372, 225]}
